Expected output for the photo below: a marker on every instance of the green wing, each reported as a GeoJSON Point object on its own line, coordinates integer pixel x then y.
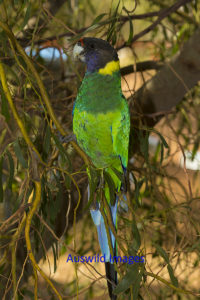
{"type": "Point", "coordinates": [120, 133]}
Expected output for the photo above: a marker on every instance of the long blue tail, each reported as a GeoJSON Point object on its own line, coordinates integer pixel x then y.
{"type": "Point", "coordinates": [98, 220]}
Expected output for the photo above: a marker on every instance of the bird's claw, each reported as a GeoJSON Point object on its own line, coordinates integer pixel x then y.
{"type": "Point", "coordinates": [66, 139]}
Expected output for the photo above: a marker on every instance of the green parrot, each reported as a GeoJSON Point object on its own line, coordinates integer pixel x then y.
{"type": "Point", "coordinates": [101, 124]}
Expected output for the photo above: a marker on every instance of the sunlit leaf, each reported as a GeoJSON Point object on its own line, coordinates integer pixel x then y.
{"type": "Point", "coordinates": [27, 16]}
{"type": "Point", "coordinates": [4, 106]}
{"type": "Point", "coordinates": [171, 274]}
{"type": "Point", "coordinates": [2, 135]}
{"type": "Point", "coordinates": [98, 18]}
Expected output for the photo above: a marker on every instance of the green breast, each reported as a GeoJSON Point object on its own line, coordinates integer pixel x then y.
{"type": "Point", "coordinates": [99, 110]}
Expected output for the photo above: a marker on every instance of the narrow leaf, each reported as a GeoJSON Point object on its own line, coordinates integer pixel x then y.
{"type": "Point", "coordinates": [54, 257]}
{"type": "Point", "coordinates": [119, 174]}
{"type": "Point", "coordinates": [27, 16]}
{"type": "Point", "coordinates": [136, 285]}
{"type": "Point", "coordinates": [11, 173]}
{"type": "Point", "coordinates": [2, 135]}
{"type": "Point", "coordinates": [161, 137]}
{"type": "Point", "coordinates": [144, 146]}
{"type": "Point", "coordinates": [4, 106]}
{"type": "Point", "coordinates": [47, 140]}
{"type": "Point", "coordinates": [111, 187]}
{"type": "Point", "coordinates": [136, 236]}
{"type": "Point", "coordinates": [1, 179]}
{"type": "Point", "coordinates": [172, 276]}
{"type": "Point", "coordinates": [162, 253]}
{"type": "Point", "coordinates": [130, 31]}
{"type": "Point", "coordinates": [127, 280]}
{"type": "Point", "coordinates": [98, 18]}
{"type": "Point", "coordinates": [19, 154]}
{"type": "Point", "coordinates": [93, 176]}
{"type": "Point", "coordinates": [112, 25]}
{"type": "Point", "coordinates": [60, 147]}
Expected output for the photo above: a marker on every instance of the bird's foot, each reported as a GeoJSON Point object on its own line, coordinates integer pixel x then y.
{"type": "Point", "coordinates": [66, 139]}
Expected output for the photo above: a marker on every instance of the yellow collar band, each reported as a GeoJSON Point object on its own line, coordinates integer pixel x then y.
{"type": "Point", "coordinates": [109, 68]}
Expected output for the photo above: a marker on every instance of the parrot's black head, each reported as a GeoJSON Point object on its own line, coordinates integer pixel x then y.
{"type": "Point", "coordinates": [96, 54]}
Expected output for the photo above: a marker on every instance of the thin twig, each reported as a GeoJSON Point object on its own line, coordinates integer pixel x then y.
{"type": "Point", "coordinates": [162, 15]}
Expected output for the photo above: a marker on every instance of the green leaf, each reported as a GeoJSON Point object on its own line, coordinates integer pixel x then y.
{"type": "Point", "coordinates": [47, 140]}
{"type": "Point", "coordinates": [11, 75]}
{"type": "Point", "coordinates": [112, 25]}
{"type": "Point", "coordinates": [136, 285]}
{"type": "Point", "coordinates": [98, 18]}
{"type": "Point", "coordinates": [138, 185]}
{"type": "Point", "coordinates": [111, 187]}
{"type": "Point", "coordinates": [119, 174]}
{"type": "Point", "coordinates": [171, 274]}
{"type": "Point", "coordinates": [11, 173]}
{"type": "Point", "coordinates": [130, 31]}
{"type": "Point", "coordinates": [60, 146]}
{"type": "Point", "coordinates": [162, 253]}
{"type": "Point", "coordinates": [19, 154]}
{"type": "Point", "coordinates": [144, 145]}
{"type": "Point", "coordinates": [161, 137]}
{"type": "Point", "coordinates": [2, 135]}
{"type": "Point", "coordinates": [136, 236]}
{"type": "Point", "coordinates": [195, 5]}
{"type": "Point", "coordinates": [1, 179]}
{"type": "Point", "coordinates": [161, 153]}
{"type": "Point", "coordinates": [62, 150]}
{"type": "Point", "coordinates": [4, 106]}
{"type": "Point", "coordinates": [27, 16]}
{"type": "Point", "coordinates": [59, 195]}
{"type": "Point", "coordinates": [93, 177]}
{"type": "Point", "coordinates": [55, 255]}
{"type": "Point", "coordinates": [3, 42]}
{"type": "Point", "coordinates": [129, 279]}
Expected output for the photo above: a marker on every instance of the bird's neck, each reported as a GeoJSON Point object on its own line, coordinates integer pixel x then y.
{"type": "Point", "coordinates": [98, 77]}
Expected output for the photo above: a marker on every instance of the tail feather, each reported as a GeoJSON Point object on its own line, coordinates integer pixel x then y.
{"type": "Point", "coordinates": [98, 220]}
{"type": "Point", "coordinates": [101, 230]}
{"type": "Point", "coordinates": [111, 274]}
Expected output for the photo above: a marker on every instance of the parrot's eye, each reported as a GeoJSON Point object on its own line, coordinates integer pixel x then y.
{"type": "Point", "coordinates": [92, 46]}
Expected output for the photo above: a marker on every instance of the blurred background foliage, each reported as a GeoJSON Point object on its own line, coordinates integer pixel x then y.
{"type": "Point", "coordinates": [44, 213]}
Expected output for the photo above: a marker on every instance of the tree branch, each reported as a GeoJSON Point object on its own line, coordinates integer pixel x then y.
{"type": "Point", "coordinates": [168, 87]}
{"type": "Point", "coordinates": [122, 19]}
{"type": "Point", "coordinates": [163, 14]}
{"type": "Point", "coordinates": [142, 66]}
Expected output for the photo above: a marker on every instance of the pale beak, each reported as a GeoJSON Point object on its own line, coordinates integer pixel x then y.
{"type": "Point", "coordinates": [78, 52]}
